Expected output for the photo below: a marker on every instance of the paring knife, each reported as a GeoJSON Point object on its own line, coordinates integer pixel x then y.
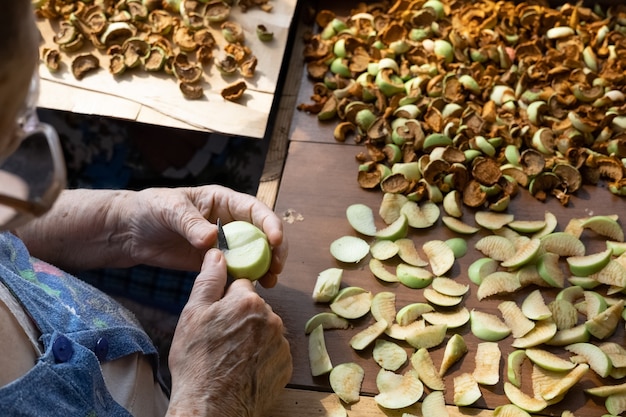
{"type": "Point", "coordinates": [222, 244]}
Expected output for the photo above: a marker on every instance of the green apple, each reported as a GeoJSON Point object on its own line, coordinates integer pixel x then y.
{"type": "Point", "coordinates": [248, 254]}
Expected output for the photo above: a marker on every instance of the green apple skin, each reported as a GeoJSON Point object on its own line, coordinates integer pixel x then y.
{"type": "Point", "coordinates": [249, 254]}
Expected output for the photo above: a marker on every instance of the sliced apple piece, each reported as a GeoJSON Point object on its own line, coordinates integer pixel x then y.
{"type": "Point", "coordinates": [421, 216]}
{"type": "Point", "coordinates": [455, 349]}
{"type": "Point", "coordinates": [544, 330]}
{"type": "Point", "coordinates": [523, 400]}
{"type": "Point", "coordinates": [551, 223]}
{"type": "Point", "coordinates": [439, 299]}
{"type": "Point", "coordinates": [345, 380]}
{"type": "Point", "coordinates": [606, 390]}
{"type": "Point", "coordinates": [529, 275]}
{"type": "Point", "coordinates": [515, 319]}
{"type": "Point", "coordinates": [328, 321]}
{"type": "Point", "coordinates": [604, 324]}
{"type": "Point", "coordinates": [408, 252]}
{"type": "Point", "coordinates": [425, 367]}
{"type": "Point", "coordinates": [564, 314]}
{"type": "Point", "coordinates": [389, 355]}
{"type": "Point", "coordinates": [496, 247]}
{"type": "Point", "coordinates": [480, 268]}
{"type": "Point", "coordinates": [509, 410]}
{"type": "Point", "coordinates": [534, 306]}
{"type": "Point", "coordinates": [440, 256]}
{"type": "Point", "coordinates": [615, 404]}
{"type": "Point", "coordinates": [383, 250]}
{"type": "Point", "coordinates": [487, 363]}
{"type": "Point", "coordinates": [615, 352]}
{"type": "Point", "coordinates": [613, 274]}
{"type": "Point", "coordinates": [551, 385]}
{"type": "Point", "coordinates": [398, 391]}
{"type": "Point", "coordinates": [327, 285]}
{"type": "Point", "coordinates": [449, 286]}
{"type": "Point", "coordinates": [527, 226]}
{"type": "Point", "coordinates": [576, 334]}
{"type": "Point", "coordinates": [491, 220]}
{"type": "Point", "coordinates": [411, 312]}
{"type": "Point", "coordinates": [349, 249]}
{"type": "Point", "coordinates": [452, 204]}
{"type": "Point", "coordinates": [361, 218]}
{"type": "Point", "coordinates": [352, 303]}
{"type": "Point", "coordinates": [248, 254]}
{"type": "Point", "coordinates": [466, 390]}
{"type": "Point", "coordinates": [514, 366]}
{"type": "Point", "coordinates": [379, 270]}
{"type": "Point", "coordinates": [594, 356]}
{"type": "Point", "coordinates": [549, 360]}
{"type": "Point", "coordinates": [499, 282]}
{"type": "Point", "coordinates": [434, 404]}
{"type": "Point", "coordinates": [390, 206]}
{"type": "Point", "coordinates": [487, 326]}
{"type": "Point", "coordinates": [428, 337]}
{"type": "Point", "coordinates": [458, 246]}
{"type": "Point", "coordinates": [459, 226]}
{"type": "Point", "coordinates": [398, 332]}
{"type": "Point", "coordinates": [563, 244]}
{"type": "Point", "coordinates": [594, 304]}
{"type": "Point", "coordinates": [384, 306]}
{"type": "Point", "coordinates": [365, 337]}
{"type": "Point", "coordinates": [453, 318]}
{"type": "Point", "coordinates": [572, 294]}
{"type": "Point", "coordinates": [396, 230]}
{"type": "Point", "coordinates": [523, 255]}
{"type": "Point", "coordinates": [550, 270]}
{"type": "Point", "coordinates": [319, 360]}
{"type": "Point", "coordinates": [605, 226]}
{"type": "Point", "coordinates": [413, 276]}
{"type": "Point", "coordinates": [588, 264]}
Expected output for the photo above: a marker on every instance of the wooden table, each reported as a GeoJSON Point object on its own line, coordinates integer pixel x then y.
{"type": "Point", "coordinates": [317, 184]}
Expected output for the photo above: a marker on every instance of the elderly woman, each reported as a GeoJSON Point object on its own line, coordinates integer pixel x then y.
{"type": "Point", "coordinates": [70, 350]}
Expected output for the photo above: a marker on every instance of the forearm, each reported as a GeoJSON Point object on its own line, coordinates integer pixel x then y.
{"type": "Point", "coordinates": [81, 231]}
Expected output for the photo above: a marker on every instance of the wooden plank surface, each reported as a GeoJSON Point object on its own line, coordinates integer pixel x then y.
{"type": "Point", "coordinates": [318, 184]}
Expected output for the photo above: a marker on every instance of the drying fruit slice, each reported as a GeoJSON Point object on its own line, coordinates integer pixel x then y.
{"type": "Point", "coordinates": [452, 204]}
{"type": "Point", "coordinates": [604, 324]}
{"type": "Point", "coordinates": [496, 247]}
{"type": "Point", "coordinates": [527, 226]}
{"type": "Point", "coordinates": [389, 355]}
{"type": "Point", "coordinates": [345, 380]}
{"type": "Point", "coordinates": [615, 404]}
{"type": "Point", "coordinates": [487, 360]}
{"type": "Point", "coordinates": [434, 404]}
{"type": "Point", "coordinates": [449, 287]}
{"type": "Point", "coordinates": [499, 282]}
{"type": "Point", "coordinates": [398, 391]}
{"type": "Point", "coordinates": [509, 410]}
{"type": "Point", "coordinates": [439, 299]}
{"type": "Point", "coordinates": [361, 218]}
{"type": "Point", "coordinates": [534, 306]}
{"type": "Point", "coordinates": [523, 400]}
{"type": "Point", "coordinates": [549, 360]}
{"type": "Point", "coordinates": [453, 318]}
{"type": "Point", "coordinates": [396, 230]}
{"type": "Point", "coordinates": [594, 304]}
{"type": "Point", "coordinates": [613, 274]}
{"type": "Point", "coordinates": [466, 390]}
{"type": "Point", "coordinates": [411, 312]}
{"type": "Point", "coordinates": [362, 339]}
{"type": "Point", "coordinates": [566, 337]}
{"type": "Point", "coordinates": [487, 326]}
{"type": "Point", "coordinates": [513, 316]}
{"type": "Point", "coordinates": [455, 349]}
{"type": "Point", "coordinates": [413, 276]}
{"type": "Point", "coordinates": [550, 270]}
{"type": "Point", "coordinates": [524, 254]}
{"type": "Point", "coordinates": [428, 337]}
{"type": "Point", "coordinates": [551, 223]}
{"type": "Point", "coordinates": [552, 385]}
{"type": "Point", "coordinates": [605, 226]}
{"type": "Point", "coordinates": [349, 249]}
{"type": "Point", "coordinates": [564, 314]}
{"type": "Point", "coordinates": [398, 332]}
{"type": "Point", "coordinates": [408, 252]}
{"type": "Point", "coordinates": [606, 390]}
{"type": "Point", "coordinates": [586, 265]}
{"type": "Point", "coordinates": [384, 250]}
{"type": "Point", "coordinates": [352, 303]}
{"type": "Point", "coordinates": [384, 306]}
{"type": "Point", "coordinates": [514, 367]}
{"type": "Point", "coordinates": [319, 360]}
{"type": "Point", "coordinates": [390, 206]}
{"type": "Point", "coordinates": [572, 294]}
{"type": "Point", "coordinates": [563, 244]}
{"type": "Point", "coordinates": [440, 256]}
{"type": "Point", "coordinates": [378, 269]}
{"type": "Point", "coordinates": [458, 226]}
{"type": "Point", "coordinates": [544, 330]}
{"type": "Point", "coordinates": [421, 216]}
{"type": "Point", "coordinates": [327, 285]}
{"type": "Point", "coordinates": [328, 321]}
{"type": "Point", "coordinates": [480, 268]}
{"type": "Point", "coordinates": [428, 374]}
{"type": "Point", "coordinates": [598, 361]}
{"type": "Point", "coordinates": [615, 352]}
{"type": "Point", "coordinates": [493, 221]}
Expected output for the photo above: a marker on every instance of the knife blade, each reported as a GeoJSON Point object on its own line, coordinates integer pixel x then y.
{"type": "Point", "coordinates": [222, 243]}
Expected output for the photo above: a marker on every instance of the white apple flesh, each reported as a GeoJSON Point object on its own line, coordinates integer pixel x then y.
{"type": "Point", "coordinates": [248, 254]}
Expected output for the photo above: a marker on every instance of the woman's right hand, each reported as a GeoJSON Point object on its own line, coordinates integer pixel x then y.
{"type": "Point", "coordinates": [229, 355]}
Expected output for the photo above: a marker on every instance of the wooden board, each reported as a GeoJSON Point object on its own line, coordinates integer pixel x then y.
{"type": "Point", "coordinates": [318, 184]}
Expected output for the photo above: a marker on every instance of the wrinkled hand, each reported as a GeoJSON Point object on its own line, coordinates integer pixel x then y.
{"type": "Point", "coordinates": [168, 227]}
{"type": "Point", "coordinates": [229, 356]}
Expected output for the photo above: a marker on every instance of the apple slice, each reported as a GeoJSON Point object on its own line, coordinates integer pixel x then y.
{"type": "Point", "coordinates": [439, 299]}
{"type": "Point", "coordinates": [411, 312]}
{"type": "Point", "coordinates": [550, 270]}
{"type": "Point", "coordinates": [384, 250]}
{"type": "Point", "coordinates": [551, 386]}
{"type": "Point", "coordinates": [564, 314]}
{"type": "Point", "coordinates": [455, 349]}
{"type": "Point", "coordinates": [408, 252]}
{"type": "Point", "coordinates": [499, 282]}
{"type": "Point", "coordinates": [327, 285]}
{"type": "Point", "coordinates": [440, 256]}
{"type": "Point", "coordinates": [480, 268]}
{"type": "Point", "coordinates": [615, 404]}
{"type": "Point", "coordinates": [453, 318]}
{"type": "Point", "coordinates": [615, 352]}
{"type": "Point", "coordinates": [413, 276]}
{"type": "Point", "coordinates": [361, 218]}
{"type": "Point", "coordinates": [365, 337]}
{"type": "Point", "coordinates": [426, 371]}
{"type": "Point", "coordinates": [449, 287]}
{"type": "Point", "coordinates": [428, 337]}
{"type": "Point", "coordinates": [248, 254]}
{"type": "Point", "coordinates": [527, 226]}
{"type": "Point", "coordinates": [514, 366]}
{"type": "Point", "coordinates": [606, 390]}
{"type": "Point", "coordinates": [529, 275]}
{"type": "Point", "coordinates": [459, 226]}
{"type": "Point", "coordinates": [551, 223]}
{"type": "Point", "coordinates": [604, 324]}
{"type": "Point", "coordinates": [352, 303]}
{"type": "Point", "coordinates": [523, 400]}
{"type": "Point", "coordinates": [586, 265]}
{"type": "Point", "coordinates": [525, 254]}
{"type": "Point", "coordinates": [384, 306]}
{"type": "Point", "coordinates": [349, 249]}
{"type": "Point", "coordinates": [328, 321]}
{"type": "Point", "coordinates": [576, 334]}
{"type": "Point", "coordinates": [389, 355]}
{"type": "Point", "coordinates": [549, 360]}
{"type": "Point", "coordinates": [563, 244]}
{"type": "Point", "coordinates": [594, 356]}
{"type": "Point", "coordinates": [458, 246]}
{"type": "Point", "coordinates": [398, 391]}
{"type": "Point", "coordinates": [493, 221]}
{"type": "Point", "coordinates": [378, 269]}
{"type": "Point", "coordinates": [434, 404]}
{"type": "Point", "coordinates": [466, 390]}
{"type": "Point", "coordinates": [509, 410]}
{"type": "Point", "coordinates": [496, 247]}
{"type": "Point", "coordinates": [396, 230]}
{"type": "Point", "coordinates": [319, 360]}
{"type": "Point", "coordinates": [605, 226]}
{"type": "Point", "coordinates": [452, 204]}
{"type": "Point", "coordinates": [345, 380]}
{"type": "Point", "coordinates": [487, 326]}
{"type": "Point", "coordinates": [534, 306]}
{"type": "Point", "coordinates": [613, 274]}
{"type": "Point", "coordinates": [544, 331]}
{"type": "Point", "coordinates": [390, 206]}
{"type": "Point", "coordinates": [487, 363]}
{"type": "Point", "coordinates": [515, 319]}
{"type": "Point", "coordinates": [421, 216]}
{"type": "Point", "coordinates": [398, 332]}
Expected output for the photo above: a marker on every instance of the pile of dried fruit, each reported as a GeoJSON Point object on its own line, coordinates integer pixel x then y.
{"type": "Point", "coordinates": [480, 97]}
{"type": "Point", "coordinates": [170, 36]}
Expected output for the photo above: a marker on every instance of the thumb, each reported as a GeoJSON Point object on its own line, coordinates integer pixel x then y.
{"type": "Point", "coordinates": [209, 284]}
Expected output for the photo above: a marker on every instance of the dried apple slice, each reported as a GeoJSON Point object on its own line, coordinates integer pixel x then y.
{"type": "Point", "coordinates": [586, 265]}
{"type": "Point", "coordinates": [389, 355]}
{"type": "Point", "coordinates": [597, 360]}
{"type": "Point", "coordinates": [378, 269]}
{"type": "Point", "coordinates": [514, 367]}
{"type": "Point", "coordinates": [384, 306]}
{"type": "Point", "coordinates": [398, 391]}
{"type": "Point", "coordinates": [487, 363]}
{"type": "Point", "coordinates": [413, 276]}
{"type": "Point", "coordinates": [487, 326]}
{"type": "Point", "coordinates": [349, 249]}
{"type": "Point", "coordinates": [425, 367]}
{"type": "Point", "coordinates": [396, 230]}
{"type": "Point", "coordinates": [613, 274]}
{"type": "Point", "coordinates": [421, 216]}
{"type": "Point", "coordinates": [455, 349]}
{"type": "Point", "coordinates": [551, 386]}
{"type": "Point", "coordinates": [452, 204]}
{"type": "Point", "coordinates": [606, 390]}
{"type": "Point", "coordinates": [383, 250]}
{"type": "Point", "coordinates": [499, 282]}
{"type": "Point", "coordinates": [524, 254]}
{"type": "Point", "coordinates": [449, 287]}
{"type": "Point", "coordinates": [491, 220]}
{"type": "Point", "coordinates": [604, 324]}
{"type": "Point", "coordinates": [328, 321]}
{"type": "Point", "coordinates": [550, 270]}
{"type": "Point", "coordinates": [544, 330]}
{"type": "Point", "coordinates": [434, 404]}
{"type": "Point", "coordinates": [523, 400]}
{"type": "Point", "coordinates": [534, 306]}
{"type": "Point", "coordinates": [365, 337]}
{"type": "Point", "coordinates": [594, 304]}
{"type": "Point", "coordinates": [319, 360]}
{"type": "Point", "coordinates": [495, 247]}
{"type": "Point", "coordinates": [566, 337]}
{"type": "Point", "coordinates": [428, 337]}
{"type": "Point", "coordinates": [439, 299]}
{"type": "Point", "coordinates": [605, 226]}
{"type": "Point", "coordinates": [572, 294]}
{"type": "Point", "coordinates": [549, 360]}
{"type": "Point", "coordinates": [411, 312]}
{"type": "Point", "coordinates": [509, 410]}
{"type": "Point", "coordinates": [345, 380]}
{"type": "Point", "coordinates": [513, 316]}
{"type": "Point", "coordinates": [529, 275]}
{"type": "Point", "coordinates": [440, 256]}
{"type": "Point", "coordinates": [390, 206]}
{"type": "Point", "coordinates": [361, 218]}
{"type": "Point", "coordinates": [453, 318]}
{"type": "Point", "coordinates": [466, 390]}
{"type": "Point", "coordinates": [480, 268]}
{"type": "Point", "coordinates": [564, 314]}
{"type": "Point", "coordinates": [527, 226]}
{"type": "Point", "coordinates": [352, 303]}
{"type": "Point", "coordinates": [459, 226]}
{"type": "Point", "coordinates": [615, 352]}
{"type": "Point", "coordinates": [563, 244]}
{"type": "Point", "coordinates": [551, 223]}
{"type": "Point", "coordinates": [458, 246]}
{"type": "Point", "coordinates": [615, 404]}
{"type": "Point", "coordinates": [408, 252]}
